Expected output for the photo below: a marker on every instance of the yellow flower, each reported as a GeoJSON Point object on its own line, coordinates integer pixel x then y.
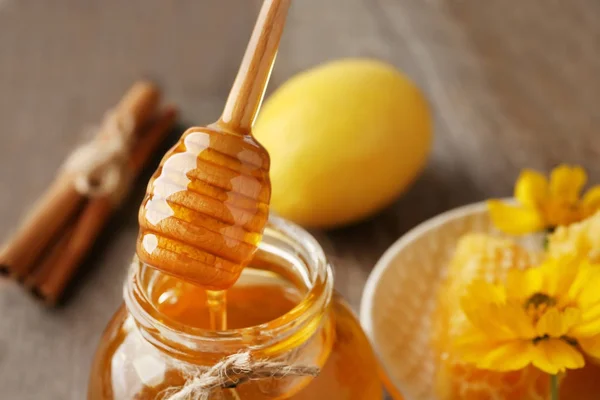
{"type": "Point", "coordinates": [545, 316]}
{"type": "Point", "coordinates": [581, 239]}
{"type": "Point", "coordinates": [543, 204]}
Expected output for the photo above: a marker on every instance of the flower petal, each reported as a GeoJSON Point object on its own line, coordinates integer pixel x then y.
{"type": "Point", "coordinates": [471, 345]}
{"type": "Point", "coordinates": [566, 183]}
{"type": "Point", "coordinates": [584, 282]}
{"type": "Point", "coordinates": [556, 324]}
{"type": "Point", "coordinates": [589, 294]}
{"type": "Point", "coordinates": [517, 286]}
{"type": "Point", "coordinates": [516, 319]}
{"type": "Point", "coordinates": [591, 345]}
{"type": "Point", "coordinates": [480, 291]}
{"type": "Point", "coordinates": [591, 199]}
{"type": "Point", "coordinates": [510, 356]}
{"type": "Point", "coordinates": [558, 275]}
{"type": "Point", "coordinates": [485, 308]}
{"type": "Point", "coordinates": [586, 329]}
{"type": "Point", "coordinates": [555, 355]}
{"type": "Point", "coordinates": [522, 284]}
{"type": "Point", "coordinates": [531, 189]}
{"type": "Point", "coordinates": [515, 220]}
{"type": "Point", "coordinates": [591, 315]}
{"type": "Point", "coordinates": [589, 325]}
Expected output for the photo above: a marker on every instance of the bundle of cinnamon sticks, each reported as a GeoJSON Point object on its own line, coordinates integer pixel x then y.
{"type": "Point", "coordinates": [45, 251]}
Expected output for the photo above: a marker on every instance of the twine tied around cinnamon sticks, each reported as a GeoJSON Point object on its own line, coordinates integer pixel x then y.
{"type": "Point", "coordinates": [52, 241]}
{"type": "Point", "coordinates": [100, 167]}
{"type": "Point", "coordinates": [233, 371]}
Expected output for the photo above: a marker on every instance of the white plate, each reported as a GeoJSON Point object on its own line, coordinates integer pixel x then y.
{"type": "Point", "coordinates": [400, 296]}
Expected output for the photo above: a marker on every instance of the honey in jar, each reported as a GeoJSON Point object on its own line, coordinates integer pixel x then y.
{"type": "Point", "coordinates": [283, 306]}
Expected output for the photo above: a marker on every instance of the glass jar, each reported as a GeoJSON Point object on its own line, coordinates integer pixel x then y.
{"type": "Point", "coordinates": [153, 341]}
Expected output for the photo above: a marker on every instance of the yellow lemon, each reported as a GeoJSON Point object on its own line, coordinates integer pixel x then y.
{"type": "Point", "coordinates": [345, 139]}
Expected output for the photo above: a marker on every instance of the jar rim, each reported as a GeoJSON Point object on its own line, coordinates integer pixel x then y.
{"type": "Point", "coordinates": [177, 337]}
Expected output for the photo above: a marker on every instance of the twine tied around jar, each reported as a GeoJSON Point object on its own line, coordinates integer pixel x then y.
{"type": "Point", "coordinates": [100, 166]}
{"type": "Point", "coordinates": [233, 371]}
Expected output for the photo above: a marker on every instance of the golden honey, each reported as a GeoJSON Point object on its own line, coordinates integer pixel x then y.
{"type": "Point", "coordinates": [206, 207]}
{"type": "Point", "coordinates": [283, 305]}
{"type": "Point", "coordinates": [207, 204]}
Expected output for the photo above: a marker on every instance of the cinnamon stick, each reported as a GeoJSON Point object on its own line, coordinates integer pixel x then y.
{"type": "Point", "coordinates": [140, 102]}
{"type": "Point", "coordinates": [49, 284]}
{"type": "Point", "coordinates": [61, 201]}
{"type": "Point", "coordinates": [147, 144]}
{"type": "Point", "coordinates": [79, 239]}
{"type": "Point", "coordinates": [52, 257]}
{"type": "Point", "coordinates": [44, 221]}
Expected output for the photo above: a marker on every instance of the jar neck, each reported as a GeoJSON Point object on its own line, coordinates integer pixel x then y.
{"type": "Point", "coordinates": [285, 248]}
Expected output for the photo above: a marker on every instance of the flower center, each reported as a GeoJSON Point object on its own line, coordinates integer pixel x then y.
{"type": "Point", "coordinates": [537, 305]}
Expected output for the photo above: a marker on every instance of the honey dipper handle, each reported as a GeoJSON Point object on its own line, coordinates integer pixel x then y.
{"type": "Point", "coordinates": [251, 82]}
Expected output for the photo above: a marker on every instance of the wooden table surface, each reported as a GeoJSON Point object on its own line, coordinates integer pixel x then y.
{"type": "Point", "coordinates": [513, 84]}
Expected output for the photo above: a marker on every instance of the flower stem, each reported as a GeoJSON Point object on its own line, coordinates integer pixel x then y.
{"type": "Point", "coordinates": [554, 387]}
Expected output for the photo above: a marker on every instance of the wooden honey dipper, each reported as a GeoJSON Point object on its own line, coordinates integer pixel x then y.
{"type": "Point", "coordinates": [208, 203]}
